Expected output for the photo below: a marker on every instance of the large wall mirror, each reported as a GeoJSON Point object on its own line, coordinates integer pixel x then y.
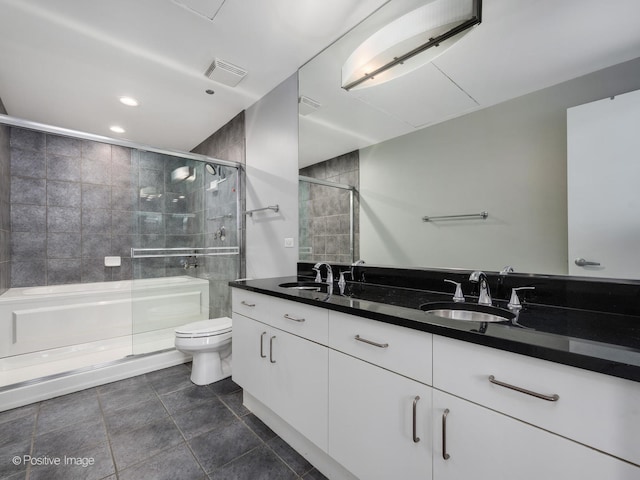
{"type": "Point", "coordinates": [480, 127]}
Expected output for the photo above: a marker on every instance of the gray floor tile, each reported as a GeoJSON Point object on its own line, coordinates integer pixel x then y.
{"type": "Point", "coordinates": [314, 474]}
{"type": "Point", "coordinates": [20, 412]}
{"type": "Point", "coordinates": [258, 426]}
{"type": "Point", "coordinates": [134, 446]}
{"type": "Point", "coordinates": [203, 418]}
{"type": "Point", "coordinates": [170, 381]}
{"type": "Point", "coordinates": [121, 384]}
{"type": "Point", "coordinates": [225, 386]}
{"type": "Point", "coordinates": [135, 416]}
{"type": "Point", "coordinates": [8, 453]}
{"type": "Point", "coordinates": [66, 410]}
{"type": "Point", "coordinates": [293, 459]}
{"type": "Point", "coordinates": [259, 464]}
{"type": "Point", "coordinates": [234, 402]}
{"type": "Point", "coordinates": [71, 439]}
{"type": "Point", "coordinates": [89, 464]}
{"type": "Point", "coordinates": [130, 394]}
{"type": "Point", "coordinates": [218, 447]}
{"type": "Point", "coordinates": [176, 463]}
{"type": "Point", "coordinates": [18, 430]}
{"type": "Point", "coordinates": [187, 398]}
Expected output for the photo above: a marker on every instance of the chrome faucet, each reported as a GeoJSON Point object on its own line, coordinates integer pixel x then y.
{"type": "Point", "coordinates": [329, 272]}
{"type": "Point", "coordinates": [354, 267]}
{"type": "Point", "coordinates": [485, 294]}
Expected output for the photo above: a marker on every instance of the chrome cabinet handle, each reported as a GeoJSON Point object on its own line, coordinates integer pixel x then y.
{"type": "Point", "coordinates": [289, 317]}
{"type": "Point", "coordinates": [445, 455]}
{"type": "Point", "coordinates": [549, 398]}
{"type": "Point", "coordinates": [581, 262]}
{"type": "Point", "coordinates": [416, 439]}
{"type": "Point", "coordinates": [247, 304]}
{"type": "Point", "coordinates": [271, 349]}
{"type": "Point", "coordinates": [376, 344]}
{"type": "Point", "coordinates": [262, 355]}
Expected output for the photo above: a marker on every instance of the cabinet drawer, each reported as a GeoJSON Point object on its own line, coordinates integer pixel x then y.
{"type": "Point", "coordinates": [598, 410]}
{"type": "Point", "coordinates": [407, 351]}
{"type": "Point", "coordinates": [300, 319]}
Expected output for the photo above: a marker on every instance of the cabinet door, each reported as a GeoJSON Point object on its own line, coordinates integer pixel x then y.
{"type": "Point", "coordinates": [299, 384]}
{"type": "Point", "coordinates": [486, 445]}
{"type": "Point", "coordinates": [371, 417]}
{"type": "Point", "coordinates": [250, 344]}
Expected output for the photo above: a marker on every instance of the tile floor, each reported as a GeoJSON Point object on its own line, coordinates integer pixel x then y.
{"type": "Point", "coordinates": [154, 426]}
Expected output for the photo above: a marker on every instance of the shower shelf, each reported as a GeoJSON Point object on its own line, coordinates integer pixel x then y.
{"type": "Point", "coordinates": [183, 252]}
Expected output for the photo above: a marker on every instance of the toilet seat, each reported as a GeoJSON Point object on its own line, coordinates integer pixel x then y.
{"type": "Point", "coordinates": [204, 328]}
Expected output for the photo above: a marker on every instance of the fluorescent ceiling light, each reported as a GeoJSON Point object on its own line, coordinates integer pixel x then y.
{"type": "Point", "coordinates": [410, 42]}
{"type": "Point", "coordinates": [116, 129]}
{"type": "Point", "coordinates": [129, 101]}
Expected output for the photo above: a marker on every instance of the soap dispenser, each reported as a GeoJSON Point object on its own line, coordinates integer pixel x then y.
{"type": "Point", "coordinates": [458, 296]}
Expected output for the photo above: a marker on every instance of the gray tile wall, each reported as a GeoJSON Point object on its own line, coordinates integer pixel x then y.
{"type": "Point", "coordinates": [5, 206]}
{"type": "Point", "coordinates": [324, 211]}
{"type": "Point", "coordinates": [228, 143]}
{"type": "Point", "coordinates": [67, 199]}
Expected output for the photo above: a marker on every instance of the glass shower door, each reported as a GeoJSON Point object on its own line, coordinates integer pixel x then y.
{"type": "Point", "coordinates": [185, 249]}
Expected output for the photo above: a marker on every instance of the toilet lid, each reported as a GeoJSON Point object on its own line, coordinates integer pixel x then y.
{"type": "Point", "coordinates": [204, 328]}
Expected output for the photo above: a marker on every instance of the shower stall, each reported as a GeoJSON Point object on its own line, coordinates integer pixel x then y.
{"type": "Point", "coordinates": [107, 247]}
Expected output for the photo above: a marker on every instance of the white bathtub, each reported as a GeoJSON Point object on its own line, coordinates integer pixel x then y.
{"type": "Point", "coordinates": [43, 329]}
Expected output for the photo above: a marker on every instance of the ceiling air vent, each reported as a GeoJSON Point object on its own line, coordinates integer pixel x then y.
{"type": "Point", "coordinates": [225, 73]}
{"type": "Point", "coordinates": [308, 105]}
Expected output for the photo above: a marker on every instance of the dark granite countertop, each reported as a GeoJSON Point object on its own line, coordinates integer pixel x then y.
{"type": "Point", "coordinates": [601, 342]}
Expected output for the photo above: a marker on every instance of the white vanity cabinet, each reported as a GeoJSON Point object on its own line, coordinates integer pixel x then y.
{"type": "Point", "coordinates": [286, 372]}
{"type": "Point", "coordinates": [379, 414]}
{"type": "Point", "coordinates": [512, 416]}
{"type": "Point", "coordinates": [482, 444]}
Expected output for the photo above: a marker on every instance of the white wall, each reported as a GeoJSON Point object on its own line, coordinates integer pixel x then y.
{"type": "Point", "coordinates": [272, 178]}
{"type": "Point", "coordinates": [509, 159]}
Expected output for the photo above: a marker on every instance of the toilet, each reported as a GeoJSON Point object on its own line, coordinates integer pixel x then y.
{"type": "Point", "coordinates": [209, 343]}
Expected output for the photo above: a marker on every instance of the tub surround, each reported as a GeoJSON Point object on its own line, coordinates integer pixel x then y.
{"type": "Point", "coordinates": [597, 329]}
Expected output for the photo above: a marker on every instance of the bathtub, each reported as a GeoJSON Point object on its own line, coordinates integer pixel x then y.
{"type": "Point", "coordinates": [52, 329]}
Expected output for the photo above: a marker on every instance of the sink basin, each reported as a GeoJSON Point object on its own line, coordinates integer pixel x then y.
{"type": "Point", "coordinates": [311, 286]}
{"type": "Point", "coordinates": [468, 312]}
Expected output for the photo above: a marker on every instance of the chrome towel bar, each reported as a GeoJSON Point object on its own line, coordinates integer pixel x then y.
{"type": "Point", "coordinates": [468, 216]}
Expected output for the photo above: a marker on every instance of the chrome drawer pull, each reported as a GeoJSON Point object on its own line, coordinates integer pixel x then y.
{"type": "Point", "coordinates": [549, 398]}
{"type": "Point", "coordinates": [376, 344]}
{"type": "Point", "coordinates": [445, 455]}
{"type": "Point", "coordinates": [246, 304]}
{"type": "Point", "coordinates": [288, 317]}
{"type": "Point", "coordinates": [262, 355]}
{"type": "Point", "coordinates": [416, 439]}
{"type": "Point", "coordinates": [271, 349]}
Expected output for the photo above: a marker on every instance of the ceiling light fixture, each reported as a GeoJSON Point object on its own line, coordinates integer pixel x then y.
{"type": "Point", "coordinates": [116, 129]}
{"type": "Point", "coordinates": [129, 101]}
{"type": "Point", "coordinates": [439, 23]}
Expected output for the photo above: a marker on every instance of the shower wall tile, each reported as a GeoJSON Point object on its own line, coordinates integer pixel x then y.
{"type": "Point", "coordinates": [28, 273]}
{"type": "Point", "coordinates": [28, 191]}
{"type": "Point", "coordinates": [70, 147]}
{"type": "Point", "coordinates": [64, 245]}
{"type": "Point", "coordinates": [65, 168]}
{"type": "Point", "coordinates": [93, 270]}
{"type": "Point", "coordinates": [5, 205]}
{"type": "Point", "coordinates": [96, 170]}
{"type": "Point", "coordinates": [28, 163]}
{"type": "Point", "coordinates": [124, 198]}
{"type": "Point", "coordinates": [96, 246]}
{"type": "Point", "coordinates": [63, 271]}
{"type": "Point", "coordinates": [63, 219]}
{"type": "Point", "coordinates": [96, 150]}
{"type": "Point", "coordinates": [96, 220]}
{"type": "Point", "coordinates": [124, 222]}
{"type": "Point", "coordinates": [28, 218]}
{"type": "Point", "coordinates": [27, 139]}
{"type": "Point", "coordinates": [28, 245]}
{"type": "Point", "coordinates": [96, 196]}
{"type": "Point", "coordinates": [63, 194]}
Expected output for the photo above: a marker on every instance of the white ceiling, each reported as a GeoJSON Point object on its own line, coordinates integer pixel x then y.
{"type": "Point", "coordinates": [66, 62]}
{"type": "Point", "coordinates": [521, 46]}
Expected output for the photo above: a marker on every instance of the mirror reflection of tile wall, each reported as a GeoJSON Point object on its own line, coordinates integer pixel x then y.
{"type": "Point", "coordinates": [325, 211]}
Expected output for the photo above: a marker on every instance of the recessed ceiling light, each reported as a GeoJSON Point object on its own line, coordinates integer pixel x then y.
{"type": "Point", "coordinates": [116, 129]}
{"type": "Point", "coordinates": [129, 101]}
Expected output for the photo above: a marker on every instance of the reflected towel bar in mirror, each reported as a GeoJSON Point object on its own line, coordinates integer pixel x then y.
{"type": "Point", "coordinates": [469, 216]}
